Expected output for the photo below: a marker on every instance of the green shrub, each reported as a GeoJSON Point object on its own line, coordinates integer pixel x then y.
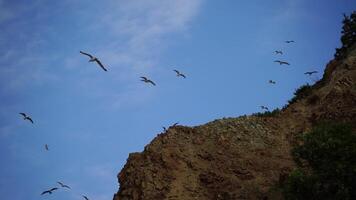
{"type": "Point", "coordinates": [329, 152]}
{"type": "Point", "coordinates": [300, 93]}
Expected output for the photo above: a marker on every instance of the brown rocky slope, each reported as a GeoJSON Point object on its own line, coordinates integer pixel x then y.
{"type": "Point", "coordinates": [237, 158]}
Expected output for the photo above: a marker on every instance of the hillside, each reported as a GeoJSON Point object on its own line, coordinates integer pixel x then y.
{"type": "Point", "coordinates": [238, 158]}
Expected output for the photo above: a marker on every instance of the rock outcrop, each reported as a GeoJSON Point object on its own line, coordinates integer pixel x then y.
{"type": "Point", "coordinates": [237, 158]}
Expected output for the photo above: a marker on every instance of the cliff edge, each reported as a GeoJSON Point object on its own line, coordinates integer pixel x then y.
{"type": "Point", "coordinates": [238, 158]}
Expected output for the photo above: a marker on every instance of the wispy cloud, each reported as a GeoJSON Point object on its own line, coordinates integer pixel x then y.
{"type": "Point", "coordinates": [136, 32]}
{"type": "Point", "coordinates": [130, 37]}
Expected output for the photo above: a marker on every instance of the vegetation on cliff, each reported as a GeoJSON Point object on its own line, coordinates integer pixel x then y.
{"type": "Point", "coordinates": [348, 37]}
{"type": "Point", "coordinates": [327, 165]}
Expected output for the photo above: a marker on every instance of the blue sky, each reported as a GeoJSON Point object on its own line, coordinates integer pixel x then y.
{"type": "Point", "coordinates": [93, 119]}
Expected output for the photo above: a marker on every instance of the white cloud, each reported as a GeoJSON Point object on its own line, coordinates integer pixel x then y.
{"type": "Point", "coordinates": [130, 46]}
{"type": "Point", "coordinates": [135, 38]}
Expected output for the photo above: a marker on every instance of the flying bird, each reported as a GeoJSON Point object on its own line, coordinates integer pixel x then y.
{"type": "Point", "coordinates": [46, 147]}
{"type": "Point", "coordinates": [310, 73]}
{"type": "Point", "coordinates": [278, 52]}
{"type": "Point", "coordinates": [146, 80]}
{"type": "Point", "coordinates": [63, 185]}
{"type": "Point", "coordinates": [282, 62]}
{"type": "Point", "coordinates": [94, 59]}
{"type": "Point", "coordinates": [49, 191]}
{"type": "Point", "coordinates": [86, 198]}
{"type": "Point", "coordinates": [272, 82]}
{"type": "Point", "coordinates": [179, 74]}
{"type": "Point", "coordinates": [25, 117]}
{"type": "Point", "coordinates": [264, 108]}
{"type": "Point", "coordinates": [289, 41]}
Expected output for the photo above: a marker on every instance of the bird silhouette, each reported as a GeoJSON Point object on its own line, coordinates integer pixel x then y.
{"type": "Point", "coordinates": [278, 52]}
{"type": "Point", "coordinates": [25, 117]}
{"type": "Point", "coordinates": [46, 147]}
{"type": "Point", "coordinates": [94, 59]}
{"type": "Point", "coordinates": [49, 191]}
{"type": "Point", "coordinates": [175, 124]}
{"type": "Point", "coordinates": [272, 82]}
{"type": "Point", "coordinates": [85, 197]}
{"type": "Point", "coordinates": [310, 73]}
{"type": "Point", "coordinates": [289, 41]}
{"type": "Point", "coordinates": [264, 108]}
{"type": "Point", "coordinates": [282, 62]}
{"type": "Point", "coordinates": [63, 185]}
{"type": "Point", "coordinates": [164, 129]}
{"type": "Point", "coordinates": [179, 74]}
{"type": "Point", "coordinates": [146, 80]}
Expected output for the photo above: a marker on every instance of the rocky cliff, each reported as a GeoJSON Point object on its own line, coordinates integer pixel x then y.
{"type": "Point", "coordinates": [238, 158]}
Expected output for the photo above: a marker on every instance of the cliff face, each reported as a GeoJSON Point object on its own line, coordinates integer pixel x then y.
{"type": "Point", "coordinates": [237, 158]}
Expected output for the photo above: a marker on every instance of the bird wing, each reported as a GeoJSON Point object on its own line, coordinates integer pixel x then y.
{"type": "Point", "coordinates": [151, 82]}
{"type": "Point", "coordinates": [85, 197]}
{"type": "Point", "coordinates": [101, 65]}
{"type": "Point", "coordinates": [86, 54]}
{"type": "Point", "coordinates": [285, 63]}
{"type": "Point", "coordinates": [23, 114]}
{"type": "Point", "coordinates": [45, 192]}
{"type": "Point", "coordinates": [176, 71]}
{"type": "Point", "coordinates": [59, 182]}
{"type": "Point", "coordinates": [29, 119]}
{"type": "Point", "coordinates": [53, 189]}
{"type": "Point", "coordinates": [144, 78]}
{"type": "Point", "coordinates": [66, 186]}
{"type": "Point", "coordinates": [175, 124]}
{"type": "Point", "coordinates": [182, 75]}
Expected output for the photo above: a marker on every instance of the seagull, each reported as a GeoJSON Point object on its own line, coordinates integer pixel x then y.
{"type": "Point", "coordinates": [289, 41]}
{"type": "Point", "coordinates": [25, 117]}
{"type": "Point", "coordinates": [179, 74]}
{"type": "Point", "coordinates": [264, 108]}
{"type": "Point", "coordinates": [63, 185]}
{"type": "Point", "coordinates": [272, 82]}
{"type": "Point", "coordinates": [282, 62]}
{"type": "Point", "coordinates": [146, 80]}
{"type": "Point", "coordinates": [49, 191]}
{"type": "Point", "coordinates": [46, 147]}
{"type": "Point", "coordinates": [310, 73]}
{"type": "Point", "coordinates": [94, 59]}
{"type": "Point", "coordinates": [86, 198]}
{"type": "Point", "coordinates": [278, 52]}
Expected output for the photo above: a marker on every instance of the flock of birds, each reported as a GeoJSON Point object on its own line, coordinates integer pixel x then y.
{"type": "Point", "coordinates": [50, 191]}
{"type": "Point", "coordinates": [143, 78]}
{"type": "Point", "coordinates": [148, 81]}
{"type": "Point", "coordinates": [97, 61]}
{"type": "Point", "coordinates": [280, 62]}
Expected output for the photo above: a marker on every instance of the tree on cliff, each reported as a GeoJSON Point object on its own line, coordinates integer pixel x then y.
{"type": "Point", "coordinates": [348, 37]}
